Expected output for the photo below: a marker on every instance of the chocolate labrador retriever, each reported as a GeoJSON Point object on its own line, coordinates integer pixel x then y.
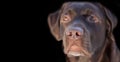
{"type": "Point", "coordinates": [86, 30]}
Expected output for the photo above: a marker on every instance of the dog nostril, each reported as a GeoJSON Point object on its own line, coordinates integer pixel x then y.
{"type": "Point", "coordinates": [78, 34]}
{"type": "Point", "coordinates": [73, 34]}
{"type": "Point", "coordinates": [69, 33]}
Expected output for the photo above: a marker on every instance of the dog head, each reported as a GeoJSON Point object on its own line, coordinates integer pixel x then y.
{"type": "Point", "coordinates": [82, 26]}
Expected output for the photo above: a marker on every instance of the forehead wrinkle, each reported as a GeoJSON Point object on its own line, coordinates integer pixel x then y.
{"type": "Point", "coordinates": [73, 5]}
{"type": "Point", "coordinates": [77, 7]}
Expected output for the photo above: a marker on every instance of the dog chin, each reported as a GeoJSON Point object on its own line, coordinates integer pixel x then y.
{"type": "Point", "coordinates": [74, 54]}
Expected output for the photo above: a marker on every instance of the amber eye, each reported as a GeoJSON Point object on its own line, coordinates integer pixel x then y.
{"type": "Point", "coordinates": [65, 18]}
{"type": "Point", "coordinates": [92, 18]}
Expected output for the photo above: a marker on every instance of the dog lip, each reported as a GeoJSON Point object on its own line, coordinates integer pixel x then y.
{"type": "Point", "coordinates": [71, 53]}
{"type": "Point", "coordinates": [75, 48]}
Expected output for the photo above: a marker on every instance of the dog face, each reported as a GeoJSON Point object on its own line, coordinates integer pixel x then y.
{"type": "Point", "coordinates": [82, 27]}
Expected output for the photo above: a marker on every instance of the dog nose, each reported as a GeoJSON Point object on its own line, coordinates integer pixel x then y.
{"type": "Point", "coordinates": [74, 33]}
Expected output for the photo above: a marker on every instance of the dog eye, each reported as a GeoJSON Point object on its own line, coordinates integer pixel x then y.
{"type": "Point", "coordinates": [65, 18]}
{"type": "Point", "coordinates": [92, 18]}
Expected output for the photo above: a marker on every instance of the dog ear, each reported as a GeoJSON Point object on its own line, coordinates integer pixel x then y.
{"type": "Point", "coordinates": [54, 24]}
{"type": "Point", "coordinates": [112, 20]}
{"type": "Point", "coordinates": [111, 24]}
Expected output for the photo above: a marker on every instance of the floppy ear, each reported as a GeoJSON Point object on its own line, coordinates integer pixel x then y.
{"type": "Point", "coordinates": [54, 22]}
{"type": "Point", "coordinates": [54, 25]}
{"type": "Point", "coordinates": [111, 19]}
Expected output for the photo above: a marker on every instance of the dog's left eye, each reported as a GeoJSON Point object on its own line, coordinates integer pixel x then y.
{"type": "Point", "coordinates": [65, 18]}
{"type": "Point", "coordinates": [92, 18]}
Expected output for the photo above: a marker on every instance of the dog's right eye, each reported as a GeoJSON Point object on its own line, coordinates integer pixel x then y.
{"type": "Point", "coordinates": [65, 18]}
{"type": "Point", "coordinates": [91, 18]}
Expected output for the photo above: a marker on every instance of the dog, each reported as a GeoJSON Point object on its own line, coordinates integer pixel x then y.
{"type": "Point", "coordinates": [86, 31]}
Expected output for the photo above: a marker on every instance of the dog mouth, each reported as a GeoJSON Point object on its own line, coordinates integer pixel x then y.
{"type": "Point", "coordinates": [75, 48]}
{"type": "Point", "coordinates": [77, 51]}
{"type": "Point", "coordinates": [73, 53]}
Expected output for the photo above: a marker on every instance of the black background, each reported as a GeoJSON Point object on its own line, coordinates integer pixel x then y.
{"type": "Point", "coordinates": [32, 38]}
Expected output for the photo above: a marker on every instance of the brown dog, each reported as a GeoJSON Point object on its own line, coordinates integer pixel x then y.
{"type": "Point", "coordinates": [86, 30]}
